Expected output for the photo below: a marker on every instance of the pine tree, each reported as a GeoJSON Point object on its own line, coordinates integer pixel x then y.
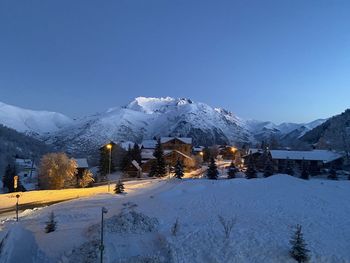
{"type": "Point", "coordinates": [232, 170]}
{"type": "Point", "coordinates": [8, 178]}
{"type": "Point", "coordinates": [127, 159]}
{"type": "Point", "coordinates": [179, 170]}
{"type": "Point", "coordinates": [119, 188]}
{"type": "Point", "coordinates": [212, 172]}
{"type": "Point", "coordinates": [251, 171]}
{"type": "Point", "coordinates": [159, 169]}
{"type": "Point", "coordinates": [305, 174]}
{"type": "Point", "coordinates": [268, 169]}
{"type": "Point", "coordinates": [289, 168]}
{"type": "Point", "coordinates": [136, 153]}
{"type": "Point", "coordinates": [206, 154]}
{"type": "Point", "coordinates": [51, 224]}
{"type": "Point", "coordinates": [332, 175]}
{"type": "Point", "coordinates": [299, 251]}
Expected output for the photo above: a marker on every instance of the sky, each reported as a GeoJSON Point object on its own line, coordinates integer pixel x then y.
{"type": "Point", "coordinates": [283, 60]}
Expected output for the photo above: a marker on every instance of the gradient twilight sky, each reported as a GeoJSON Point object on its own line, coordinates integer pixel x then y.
{"type": "Point", "coordinates": [282, 60]}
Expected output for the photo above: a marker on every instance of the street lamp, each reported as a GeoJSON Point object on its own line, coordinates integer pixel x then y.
{"type": "Point", "coordinates": [109, 147]}
{"type": "Point", "coordinates": [103, 211]}
{"type": "Point", "coordinates": [17, 196]}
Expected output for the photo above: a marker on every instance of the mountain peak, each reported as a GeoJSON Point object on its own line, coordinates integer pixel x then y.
{"type": "Point", "coordinates": [151, 105]}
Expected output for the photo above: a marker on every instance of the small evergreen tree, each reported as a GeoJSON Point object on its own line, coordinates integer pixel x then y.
{"type": "Point", "coordinates": [232, 170]}
{"type": "Point", "coordinates": [305, 174]}
{"type": "Point", "coordinates": [251, 171]}
{"type": "Point", "coordinates": [51, 224]}
{"type": "Point", "coordinates": [299, 251]}
{"type": "Point", "coordinates": [332, 175]}
{"type": "Point", "coordinates": [212, 172]}
{"type": "Point", "coordinates": [119, 188]}
{"type": "Point", "coordinates": [179, 170]}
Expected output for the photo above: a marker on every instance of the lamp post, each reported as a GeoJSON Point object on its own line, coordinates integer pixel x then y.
{"type": "Point", "coordinates": [17, 197]}
{"type": "Point", "coordinates": [103, 211]}
{"type": "Point", "coordinates": [109, 147]}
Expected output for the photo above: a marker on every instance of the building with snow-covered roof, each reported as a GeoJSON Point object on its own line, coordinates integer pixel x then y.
{"type": "Point", "coordinates": [82, 163]}
{"type": "Point", "coordinates": [175, 148]}
{"type": "Point", "coordinates": [148, 144]}
{"type": "Point", "coordinates": [315, 160]}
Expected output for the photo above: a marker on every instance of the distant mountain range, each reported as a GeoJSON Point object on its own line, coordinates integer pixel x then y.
{"type": "Point", "coordinates": [145, 118]}
{"type": "Point", "coordinates": [32, 122]}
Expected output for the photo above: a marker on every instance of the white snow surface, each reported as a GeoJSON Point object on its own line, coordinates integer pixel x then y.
{"type": "Point", "coordinates": [30, 121]}
{"type": "Point", "coordinates": [139, 223]}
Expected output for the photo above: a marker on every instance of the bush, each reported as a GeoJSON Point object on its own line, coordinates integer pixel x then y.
{"type": "Point", "coordinates": [51, 224]}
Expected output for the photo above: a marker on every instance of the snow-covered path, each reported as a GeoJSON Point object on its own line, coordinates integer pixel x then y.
{"type": "Point", "coordinates": [265, 210]}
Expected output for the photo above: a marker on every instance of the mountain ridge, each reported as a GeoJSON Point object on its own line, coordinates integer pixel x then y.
{"type": "Point", "coordinates": [147, 117]}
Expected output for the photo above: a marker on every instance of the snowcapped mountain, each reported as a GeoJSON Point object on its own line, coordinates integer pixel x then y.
{"type": "Point", "coordinates": [32, 122]}
{"type": "Point", "coordinates": [145, 118]}
{"type": "Point", "coordinates": [284, 132]}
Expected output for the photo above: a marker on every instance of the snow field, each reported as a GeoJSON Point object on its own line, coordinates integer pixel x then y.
{"type": "Point", "coordinates": [265, 213]}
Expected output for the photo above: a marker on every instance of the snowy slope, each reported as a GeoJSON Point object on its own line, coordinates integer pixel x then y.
{"type": "Point", "coordinates": [265, 212]}
{"type": "Point", "coordinates": [29, 121]}
{"type": "Point", "coordinates": [285, 132]}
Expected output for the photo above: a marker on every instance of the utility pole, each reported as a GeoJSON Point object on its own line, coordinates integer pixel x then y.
{"type": "Point", "coordinates": [103, 211]}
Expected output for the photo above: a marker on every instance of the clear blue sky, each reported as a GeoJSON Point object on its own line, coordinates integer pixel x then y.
{"type": "Point", "coordinates": [283, 60]}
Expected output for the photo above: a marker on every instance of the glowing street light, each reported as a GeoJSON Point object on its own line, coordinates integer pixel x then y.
{"type": "Point", "coordinates": [109, 147]}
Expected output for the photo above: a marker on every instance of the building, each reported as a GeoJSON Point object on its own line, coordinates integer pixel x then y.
{"type": "Point", "coordinates": [175, 148]}
{"type": "Point", "coordinates": [315, 160]}
{"type": "Point", "coordinates": [133, 170]}
{"type": "Point", "coordinates": [25, 166]}
{"type": "Point", "coordinates": [82, 166]}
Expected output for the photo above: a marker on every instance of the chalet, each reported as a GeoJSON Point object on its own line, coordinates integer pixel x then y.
{"type": "Point", "coordinates": [25, 167]}
{"type": "Point", "coordinates": [175, 148]}
{"type": "Point", "coordinates": [315, 159]}
{"type": "Point", "coordinates": [180, 144]}
{"type": "Point", "coordinates": [133, 170]}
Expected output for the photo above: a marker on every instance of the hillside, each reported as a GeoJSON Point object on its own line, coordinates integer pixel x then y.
{"type": "Point", "coordinates": [30, 121]}
{"type": "Point", "coordinates": [13, 143]}
{"type": "Point", "coordinates": [264, 212]}
{"type": "Point", "coordinates": [334, 133]}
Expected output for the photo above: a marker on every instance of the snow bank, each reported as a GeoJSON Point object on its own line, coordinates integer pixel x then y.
{"type": "Point", "coordinates": [19, 245]}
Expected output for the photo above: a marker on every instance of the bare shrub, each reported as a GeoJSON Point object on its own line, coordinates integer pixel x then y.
{"type": "Point", "coordinates": [175, 228]}
{"type": "Point", "coordinates": [227, 224]}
